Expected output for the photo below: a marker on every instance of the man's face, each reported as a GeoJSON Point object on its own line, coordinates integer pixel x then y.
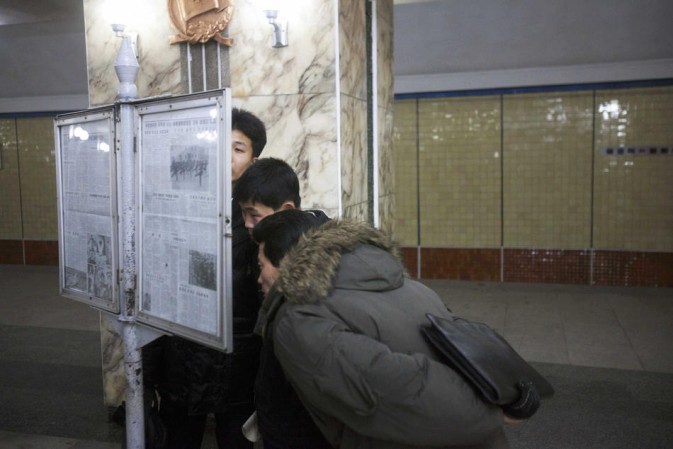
{"type": "Point", "coordinates": [254, 212]}
{"type": "Point", "coordinates": [241, 154]}
{"type": "Point", "coordinates": [267, 272]}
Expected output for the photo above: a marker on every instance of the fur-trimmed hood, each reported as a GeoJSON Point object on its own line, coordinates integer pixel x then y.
{"type": "Point", "coordinates": [313, 268]}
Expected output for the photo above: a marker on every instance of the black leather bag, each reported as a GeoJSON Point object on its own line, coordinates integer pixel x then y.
{"type": "Point", "coordinates": [489, 363]}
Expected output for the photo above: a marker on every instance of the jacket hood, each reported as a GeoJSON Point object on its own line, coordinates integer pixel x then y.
{"type": "Point", "coordinates": [313, 267]}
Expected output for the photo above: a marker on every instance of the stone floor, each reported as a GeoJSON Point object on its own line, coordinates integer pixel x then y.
{"type": "Point", "coordinates": [607, 351]}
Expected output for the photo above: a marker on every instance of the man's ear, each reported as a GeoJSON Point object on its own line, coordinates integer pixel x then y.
{"type": "Point", "coordinates": [288, 205]}
{"type": "Point", "coordinates": [254, 159]}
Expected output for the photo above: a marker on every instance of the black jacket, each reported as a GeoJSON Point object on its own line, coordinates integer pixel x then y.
{"type": "Point", "coordinates": [282, 419]}
{"type": "Point", "coordinates": [201, 379]}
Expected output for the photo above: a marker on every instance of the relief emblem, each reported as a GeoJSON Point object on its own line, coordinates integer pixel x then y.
{"type": "Point", "coordinates": [200, 20]}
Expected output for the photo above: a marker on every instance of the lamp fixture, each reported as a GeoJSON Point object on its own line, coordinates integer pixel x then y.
{"type": "Point", "coordinates": [126, 64]}
{"type": "Point", "coordinates": [279, 28]}
{"type": "Point", "coordinates": [118, 28]}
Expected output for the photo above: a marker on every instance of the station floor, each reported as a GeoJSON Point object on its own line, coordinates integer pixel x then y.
{"type": "Point", "coordinates": [607, 351]}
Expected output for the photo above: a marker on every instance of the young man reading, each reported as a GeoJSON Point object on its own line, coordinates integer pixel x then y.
{"type": "Point", "coordinates": [193, 380]}
{"type": "Point", "coordinates": [345, 328]}
{"type": "Point", "coordinates": [269, 188]}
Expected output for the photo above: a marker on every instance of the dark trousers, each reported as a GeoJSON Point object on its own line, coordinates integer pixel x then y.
{"type": "Point", "coordinates": [186, 431]}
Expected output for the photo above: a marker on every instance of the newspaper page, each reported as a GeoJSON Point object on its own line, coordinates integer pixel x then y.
{"type": "Point", "coordinates": [179, 194]}
{"type": "Point", "coordinates": [86, 208]}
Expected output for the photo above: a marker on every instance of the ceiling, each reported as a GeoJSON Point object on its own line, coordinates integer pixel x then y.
{"type": "Point", "coordinates": [24, 17]}
{"type": "Point", "coordinates": [44, 39]}
{"type": "Point", "coordinates": [23, 12]}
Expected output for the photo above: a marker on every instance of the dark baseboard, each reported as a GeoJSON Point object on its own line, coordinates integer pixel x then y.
{"type": "Point", "coordinates": [555, 266]}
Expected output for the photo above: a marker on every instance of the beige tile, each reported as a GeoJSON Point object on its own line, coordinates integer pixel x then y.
{"type": "Point", "coordinates": [10, 187]}
{"type": "Point", "coordinates": [406, 172]}
{"type": "Point", "coordinates": [37, 158]}
{"type": "Point", "coordinates": [631, 211]}
{"type": "Point", "coordinates": [459, 164]}
{"type": "Point", "coordinates": [547, 170]}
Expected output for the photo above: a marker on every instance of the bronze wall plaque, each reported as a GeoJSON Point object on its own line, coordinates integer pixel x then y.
{"type": "Point", "coordinates": [200, 20]}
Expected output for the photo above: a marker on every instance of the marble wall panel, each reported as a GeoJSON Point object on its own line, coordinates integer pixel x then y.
{"type": "Point", "coordinates": [354, 161]}
{"type": "Point", "coordinates": [353, 48]}
{"type": "Point", "coordinates": [386, 170]}
{"type": "Point", "coordinates": [357, 212]}
{"type": "Point", "coordinates": [101, 50]}
{"type": "Point", "coordinates": [306, 65]}
{"type": "Point", "coordinates": [384, 12]}
{"type": "Point", "coordinates": [387, 213]}
{"type": "Point", "coordinates": [384, 61]}
{"type": "Point", "coordinates": [112, 349]}
{"type": "Point", "coordinates": [160, 67]}
{"type": "Point", "coordinates": [160, 62]}
{"type": "Point", "coordinates": [301, 129]}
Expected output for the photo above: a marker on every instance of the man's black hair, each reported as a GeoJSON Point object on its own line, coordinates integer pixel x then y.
{"type": "Point", "coordinates": [270, 182]}
{"type": "Point", "coordinates": [250, 125]}
{"type": "Point", "coordinates": [280, 232]}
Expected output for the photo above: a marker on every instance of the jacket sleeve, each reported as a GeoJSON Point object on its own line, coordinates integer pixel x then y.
{"type": "Point", "coordinates": [403, 398]}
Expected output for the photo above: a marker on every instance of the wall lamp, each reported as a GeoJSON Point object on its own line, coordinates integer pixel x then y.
{"type": "Point", "coordinates": [279, 28]}
{"type": "Point", "coordinates": [126, 64]}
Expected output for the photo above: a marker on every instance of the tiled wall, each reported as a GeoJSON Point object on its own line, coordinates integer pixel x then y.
{"type": "Point", "coordinates": [633, 201]}
{"type": "Point", "coordinates": [28, 223]}
{"type": "Point", "coordinates": [568, 186]}
{"type": "Point", "coordinates": [528, 175]}
{"type": "Point", "coordinates": [10, 188]}
{"type": "Point", "coordinates": [547, 140]}
{"type": "Point", "coordinates": [459, 150]}
{"type": "Point", "coordinates": [405, 133]}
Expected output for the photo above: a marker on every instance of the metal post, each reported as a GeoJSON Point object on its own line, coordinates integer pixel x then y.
{"type": "Point", "coordinates": [134, 336]}
{"type": "Point", "coordinates": [126, 67]}
{"type": "Point", "coordinates": [135, 423]}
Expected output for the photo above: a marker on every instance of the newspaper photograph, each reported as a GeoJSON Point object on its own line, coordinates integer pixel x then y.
{"type": "Point", "coordinates": [179, 194]}
{"type": "Point", "coordinates": [86, 208]}
{"type": "Point", "coordinates": [179, 165]}
{"type": "Point", "coordinates": [180, 272]}
{"type": "Point", "coordinates": [88, 258]}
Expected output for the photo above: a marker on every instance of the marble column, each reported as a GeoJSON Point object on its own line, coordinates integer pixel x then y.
{"type": "Point", "coordinates": [312, 95]}
{"type": "Point", "coordinates": [385, 98]}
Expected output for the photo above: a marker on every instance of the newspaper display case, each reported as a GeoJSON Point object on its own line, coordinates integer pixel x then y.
{"type": "Point", "coordinates": [184, 223]}
{"type": "Point", "coordinates": [87, 207]}
{"type": "Point", "coordinates": [179, 152]}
